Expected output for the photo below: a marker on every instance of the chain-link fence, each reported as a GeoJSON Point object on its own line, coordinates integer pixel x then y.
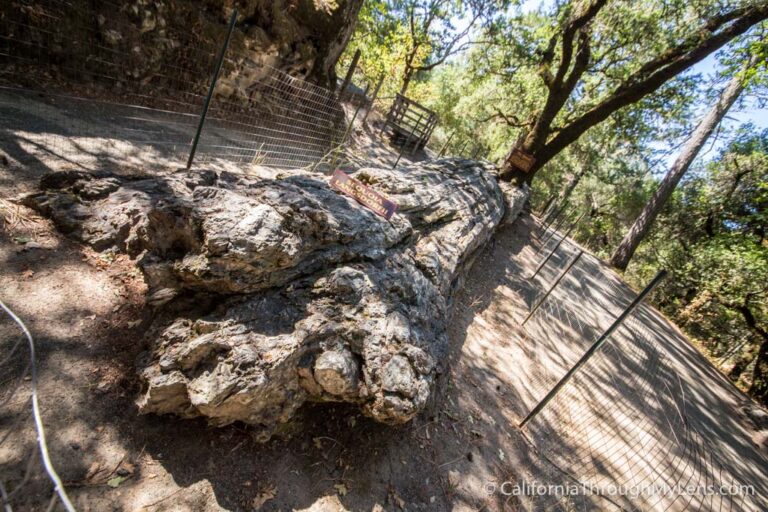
{"type": "Point", "coordinates": [629, 422]}
{"type": "Point", "coordinates": [101, 84]}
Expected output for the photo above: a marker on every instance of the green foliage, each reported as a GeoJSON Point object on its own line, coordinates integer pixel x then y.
{"type": "Point", "coordinates": [383, 40]}
{"type": "Point", "coordinates": [398, 37]}
{"type": "Point", "coordinates": [712, 235]}
{"type": "Point", "coordinates": [713, 239]}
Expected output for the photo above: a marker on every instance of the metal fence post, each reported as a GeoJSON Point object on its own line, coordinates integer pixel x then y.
{"type": "Point", "coordinates": [344, 138]}
{"type": "Point", "coordinates": [545, 209]}
{"type": "Point", "coordinates": [402, 148]}
{"type": "Point", "coordinates": [536, 234]}
{"type": "Point", "coordinates": [592, 349]}
{"type": "Point", "coordinates": [214, 78]}
{"type": "Point", "coordinates": [396, 105]}
{"type": "Point", "coordinates": [350, 72]}
{"type": "Point", "coordinates": [442, 151]}
{"type": "Point", "coordinates": [373, 98]}
{"type": "Point", "coordinates": [545, 238]}
{"type": "Point", "coordinates": [554, 214]}
{"type": "Point", "coordinates": [417, 142]}
{"type": "Point", "coordinates": [557, 246]}
{"type": "Point", "coordinates": [554, 285]}
{"type": "Point", "coordinates": [560, 223]}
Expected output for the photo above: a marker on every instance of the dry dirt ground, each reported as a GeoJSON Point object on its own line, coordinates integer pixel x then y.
{"type": "Point", "coordinates": [58, 132]}
{"type": "Point", "coordinates": [87, 314]}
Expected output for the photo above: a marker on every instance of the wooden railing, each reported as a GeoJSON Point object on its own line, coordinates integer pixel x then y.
{"type": "Point", "coordinates": [411, 124]}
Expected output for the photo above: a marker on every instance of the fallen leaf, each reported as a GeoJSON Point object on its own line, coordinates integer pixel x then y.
{"type": "Point", "coordinates": [268, 493]}
{"type": "Point", "coordinates": [116, 481]}
{"type": "Point", "coordinates": [126, 469]}
{"type": "Point", "coordinates": [400, 502]}
{"type": "Point", "coordinates": [341, 489]}
{"type": "Point", "coordinates": [93, 470]}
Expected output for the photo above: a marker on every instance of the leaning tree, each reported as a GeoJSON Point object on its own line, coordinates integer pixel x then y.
{"type": "Point", "coordinates": [623, 253]}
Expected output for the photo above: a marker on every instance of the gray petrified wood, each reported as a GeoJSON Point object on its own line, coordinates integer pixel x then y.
{"type": "Point", "coordinates": [315, 297]}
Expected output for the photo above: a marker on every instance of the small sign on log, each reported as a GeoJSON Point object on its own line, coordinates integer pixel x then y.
{"type": "Point", "coordinates": [521, 160]}
{"type": "Point", "coordinates": [363, 194]}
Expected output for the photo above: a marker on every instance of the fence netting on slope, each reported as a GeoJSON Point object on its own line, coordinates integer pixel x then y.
{"type": "Point", "coordinates": [91, 84]}
{"type": "Point", "coordinates": [627, 426]}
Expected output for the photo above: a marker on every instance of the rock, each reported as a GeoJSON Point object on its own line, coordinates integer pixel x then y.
{"type": "Point", "coordinates": [756, 415]}
{"type": "Point", "coordinates": [112, 37]}
{"type": "Point", "coordinates": [336, 371]}
{"type": "Point", "coordinates": [398, 376]}
{"type": "Point", "coordinates": [516, 198]}
{"type": "Point", "coordinates": [312, 296]}
{"type": "Point", "coordinates": [304, 38]}
{"type": "Point", "coordinates": [760, 439]}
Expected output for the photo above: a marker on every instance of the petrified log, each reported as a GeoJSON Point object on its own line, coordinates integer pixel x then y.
{"type": "Point", "coordinates": [317, 298]}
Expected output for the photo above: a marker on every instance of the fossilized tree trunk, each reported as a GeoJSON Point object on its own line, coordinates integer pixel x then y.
{"type": "Point", "coordinates": [300, 293]}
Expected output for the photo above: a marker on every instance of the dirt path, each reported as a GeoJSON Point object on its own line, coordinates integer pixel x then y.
{"type": "Point", "coordinates": [61, 132]}
{"type": "Point", "coordinates": [86, 313]}
{"type": "Point", "coordinates": [648, 409]}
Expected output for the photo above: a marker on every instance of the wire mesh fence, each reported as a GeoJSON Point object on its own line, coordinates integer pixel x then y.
{"type": "Point", "coordinates": [99, 83]}
{"type": "Point", "coordinates": [627, 425]}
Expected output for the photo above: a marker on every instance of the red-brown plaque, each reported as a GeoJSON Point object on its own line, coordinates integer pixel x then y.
{"type": "Point", "coordinates": [363, 194]}
{"type": "Point", "coordinates": [521, 160]}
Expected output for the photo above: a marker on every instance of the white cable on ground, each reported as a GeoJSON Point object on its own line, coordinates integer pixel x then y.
{"type": "Point", "coordinates": [58, 486]}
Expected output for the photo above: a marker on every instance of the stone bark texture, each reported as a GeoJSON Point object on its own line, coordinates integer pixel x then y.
{"type": "Point", "coordinates": [313, 296]}
{"type": "Point", "coordinates": [152, 44]}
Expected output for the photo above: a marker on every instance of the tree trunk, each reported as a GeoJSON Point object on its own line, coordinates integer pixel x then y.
{"type": "Point", "coordinates": [336, 36]}
{"type": "Point", "coordinates": [406, 80]}
{"type": "Point", "coordinates": [759, 387]}
{"type": "Point", "coordinates": [626, 249]}
{"type": "Point", "coordinates": [408, 73]}
{"type": "Point", "coordinates": [543, 143]}
{"type": "Point", "coordinates": [570, 186]}
{"type": "Point", "coordinates": [300, 294]}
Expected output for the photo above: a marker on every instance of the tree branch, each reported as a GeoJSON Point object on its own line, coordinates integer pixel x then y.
{"type": "Point", "coordinates": [654, 74]}
{"type": "Point", "coordinates": [511, 119]}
